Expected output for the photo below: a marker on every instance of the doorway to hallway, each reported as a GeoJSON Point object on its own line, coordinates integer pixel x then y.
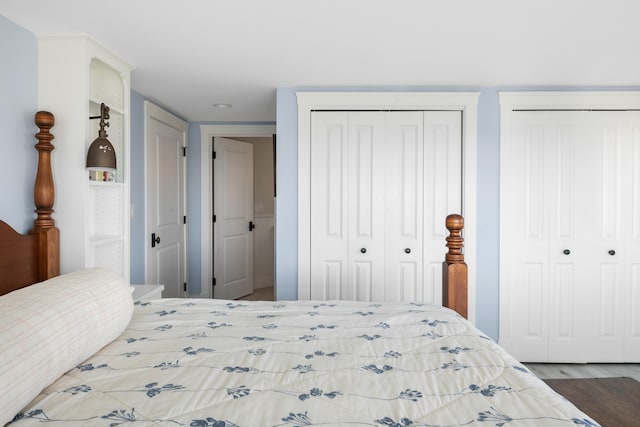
{"type": "Point", "coordinates": [261, 215]}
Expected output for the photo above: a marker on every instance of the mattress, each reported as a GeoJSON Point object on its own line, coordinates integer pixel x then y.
{"type": "Point", "coordinates": [213, 363]}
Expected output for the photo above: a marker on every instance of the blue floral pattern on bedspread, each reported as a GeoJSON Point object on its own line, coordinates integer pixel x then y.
{"type": "Point", "coordinates": [215, 363]}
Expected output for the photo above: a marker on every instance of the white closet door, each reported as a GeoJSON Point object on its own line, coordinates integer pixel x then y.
{"type": "Point", "coordinates": [347, 228]}
{"type": "Point", "coordinates": [523, 330]}
{"type": "Point", "coordinates": [565, 257]}
{"type": "Point", "coordinates": [329, 205]}
{"type": "Point", "coordinates": [367, 172]}
{"type": "Point", "coordinates": [442, 192]}
{"type": "Point", "coordinates": [381, 185]}
{"type": "Point", "coordinates": [572, 205]}
{"type": "Point", "coordinates": [404, 198]}
{"type": "Point", "coordinates": [605, 232]}
{"type": "Point", "coordinates": [632, 273]}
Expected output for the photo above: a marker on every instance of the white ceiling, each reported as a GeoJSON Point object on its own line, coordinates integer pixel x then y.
{"type": "Point", "coordinates": [190, 54]}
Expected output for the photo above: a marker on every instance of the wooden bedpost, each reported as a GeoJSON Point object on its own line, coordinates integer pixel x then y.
{"type": "Point", "coordinates": [454, 269]}
{"type": "Point", "coordinates": [44, 226]}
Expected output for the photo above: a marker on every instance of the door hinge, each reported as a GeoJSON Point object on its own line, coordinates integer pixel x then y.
{"type": "Point", "coordinates": [184, 219]}
{"type": "Point", "coordinates": [213, 155]}
{"type": "Point", "coordinates": [184, 151]}
{"type": "Point", "coordinates": [213, 281]}
{"type": "Point", "coordinates": [214, 217]}
{"type": "Point", "coordinates": [185, 286]}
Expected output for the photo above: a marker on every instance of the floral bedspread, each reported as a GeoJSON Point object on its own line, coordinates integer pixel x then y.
{"type": "Point", "coordinates": [214, 363]}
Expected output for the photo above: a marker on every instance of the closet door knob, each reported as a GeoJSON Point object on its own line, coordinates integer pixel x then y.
{"type": "Point", "coordinates": [363, 250]}
{"type": "Point", "coordinates": [612, 252]}
{"type": "Point", "coordinates": [566, 252]}
{"type": "Point", "coordinates": [407, 251]}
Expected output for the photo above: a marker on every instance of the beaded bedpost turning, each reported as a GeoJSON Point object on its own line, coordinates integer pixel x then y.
{"type": "Point", "coordinates": [454, 269]}
{"type": "Point", "coordinates": [44, 226]}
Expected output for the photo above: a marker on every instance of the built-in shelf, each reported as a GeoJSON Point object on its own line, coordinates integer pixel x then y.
{"type": "Point", "coordinates": [93, 216]}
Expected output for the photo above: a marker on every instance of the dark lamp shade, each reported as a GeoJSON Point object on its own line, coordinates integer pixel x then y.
{"type": "Point", "coordinates": [101, 155]}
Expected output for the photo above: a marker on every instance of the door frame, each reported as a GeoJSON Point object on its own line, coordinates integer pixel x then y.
{"type": "Point", "coordinates": [207, 133]}
{"type": "Point", "coordinates": [154, 112]}
{"type": "Point", "coordinates": [549, 101]}
{"type": "Point", "coordinates": [467, 102]}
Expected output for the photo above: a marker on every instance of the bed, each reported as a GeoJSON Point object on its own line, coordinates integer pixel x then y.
{"type": "Point", "coordinates": [76, 350]}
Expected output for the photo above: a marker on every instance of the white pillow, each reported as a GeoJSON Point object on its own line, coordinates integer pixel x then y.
{"type": "Point", "coordinates": [49, 328]}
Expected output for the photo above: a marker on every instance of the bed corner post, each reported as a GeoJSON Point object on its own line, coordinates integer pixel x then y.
{"type": "Point", "coordinates": [454, 269]}
{"type": "Point", "coordinates": [44, 226]}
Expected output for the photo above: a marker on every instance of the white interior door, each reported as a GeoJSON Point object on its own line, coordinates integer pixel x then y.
{"type": "Point", "coordinates": [166, 204]}
{"type": "Point", "coordinates": [233, 210]}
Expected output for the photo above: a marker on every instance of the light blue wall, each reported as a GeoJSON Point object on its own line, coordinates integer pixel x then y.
{"type": "Point", "coordinates": [18, 104]}
{"type": "Point", "coordinates": [286, 208]}
{"type": "Point", "coordinates": [488, 210]}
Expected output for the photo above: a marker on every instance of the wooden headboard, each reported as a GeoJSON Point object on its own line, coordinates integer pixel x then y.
{"type": "Point", "coordinates": [34, 257]}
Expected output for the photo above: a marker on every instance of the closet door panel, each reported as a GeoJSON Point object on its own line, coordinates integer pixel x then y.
{"type": "Point", "coordinates": [363, 276]}
{"type": "Point", "coordinates": [528, 244]}
{"type": "Point", "coordinates": [366, 176]}
{"type": "Point", "coordinates": [564, 327]}
{"type": "Point", "coordinates": [634, 179]}
{"type": "Point", "coordinates": [329, 238]}
{"type": "Point", "coordinates": [609, 325]}
{"type": "Point", "coordinates": [332, 280]}
{"type": "Point", "coordinates": [632, 276]}
{"type": "Point", "coordinates": [611, 169]}
{"type": "Point", "coordinates": [632, 344]}
{"type": "Point", "coordinates": [407, 287]}
{"type": "Point", "coordinates": [568, 283]}
{"type": "Point", "coordinates": [404, 206]}
{"type": "Point", "coordinates": [609, 258]}
{"type": "Point", "coordinates": [532, 324]}
{"type": "Point", "coordinates": [442, 191]}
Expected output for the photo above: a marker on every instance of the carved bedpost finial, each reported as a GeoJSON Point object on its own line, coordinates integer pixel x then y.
{"type": "Point", "coordinates": [454, 269]}
{"type": "Point", "coordinates": [455, 242]}
{"type": "Point", "coordinates": [43, 192]}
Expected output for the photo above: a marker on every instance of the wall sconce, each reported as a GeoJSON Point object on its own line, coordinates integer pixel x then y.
{"type": "Point", "coordinates": [101, 155]}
